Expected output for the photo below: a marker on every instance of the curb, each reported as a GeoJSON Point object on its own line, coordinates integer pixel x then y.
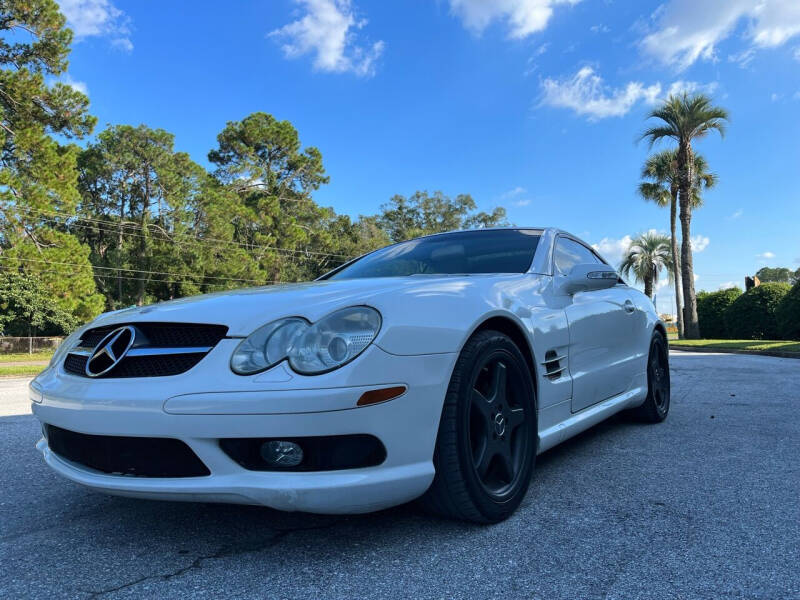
{"type": "Point", "coordinates": [776, 353]}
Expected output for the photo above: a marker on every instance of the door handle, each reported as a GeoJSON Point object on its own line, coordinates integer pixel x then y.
{"type": "Point", "coordinates": [629, 307]}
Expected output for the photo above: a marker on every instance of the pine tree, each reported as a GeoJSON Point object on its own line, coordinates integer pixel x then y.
{"type": "Point", "coordinates": [37, 173]}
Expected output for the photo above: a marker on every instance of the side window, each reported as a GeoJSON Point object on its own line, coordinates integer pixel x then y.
{"type": "Point", "coordinates": [569, 253]}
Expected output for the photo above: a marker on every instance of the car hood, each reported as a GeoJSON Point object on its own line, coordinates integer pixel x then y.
{"type": "Point", "coordinates": [247, 309]}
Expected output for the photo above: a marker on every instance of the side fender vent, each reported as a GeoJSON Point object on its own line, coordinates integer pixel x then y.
{"type": "Point", "coordinates": [554, 365]}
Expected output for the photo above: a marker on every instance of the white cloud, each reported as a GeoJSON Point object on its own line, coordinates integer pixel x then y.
{"type": "Point", "coordinates": [543, 48]}
{"type": "Point", "coordinates": [688, 30]}
{"type": "Point", "coordinates": [513, 192]}
{"type": "Point", "coordinates": [522, 17]}
{"type": "Point", "coordinates": [744, 58]}
{"type": "Point", "coordinates": [599, 28]}
{"type": "Point", "coordinates": [122, 44]}
{"type": "Point", "coordinates": [664, 282]}
{"type": "Point", "coordinates": [690, 87]}
{"type": "Point", "coordinates": [514, 195]}
{"type": "Point", "coordinates": [699, 243]}
{"type": "Point", "coordinates": [736, 214]}
{"type": "Point", "coordinates": [587, 94]}
{"type": "Point", "coordinates": [89, 18]}
{"type": "Point", "coordinates": [328, 30]}
{"type": "Point", "coordinates": [613, 249]}
{"type": "Point", "coordinates": [766, 255]}
{"type": "Point", "coordinates": [728, 284]}
{"type": "Point", "coordinates": [77, 85]}
{"type": "Point", "coordinates": [532, 66]}
{"type": "Point", "coordinates": [775, 22]}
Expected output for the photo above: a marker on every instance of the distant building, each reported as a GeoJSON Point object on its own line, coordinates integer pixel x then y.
{"type": "Point", "coordinates": [751, 282]}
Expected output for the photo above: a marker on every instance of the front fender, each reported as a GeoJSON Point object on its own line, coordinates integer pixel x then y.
{"type": "Point", "coordinates": [441, 318]}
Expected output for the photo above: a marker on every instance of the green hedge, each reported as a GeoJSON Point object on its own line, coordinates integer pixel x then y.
{"type": "Point", "coordinates": [788, 314]}
{"type": "Point", "coordinates": [752, 315]}
{"type": "Point", "coordinates": [711, 307]}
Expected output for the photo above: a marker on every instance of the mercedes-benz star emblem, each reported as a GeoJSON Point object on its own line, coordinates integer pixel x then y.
{"type": "Point", "coordinates": [110, 351]}
{"type": "Point", "coordinates": [499, 424]}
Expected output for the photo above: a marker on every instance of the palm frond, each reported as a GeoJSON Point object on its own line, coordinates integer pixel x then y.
{"type": "Point", "coordinates": [686, 117]}
{"type": "Point", "coordinates": [655, 134]}
{"type": "Point", "coordinates": [647, 256]}
{"type": "Point", "coordinates": [655, 192]}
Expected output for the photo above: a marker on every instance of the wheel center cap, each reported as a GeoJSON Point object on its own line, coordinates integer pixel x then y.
{"type": "Point", "coordinates": [499, 424]}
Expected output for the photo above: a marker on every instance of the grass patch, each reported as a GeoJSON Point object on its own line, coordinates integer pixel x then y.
{"type": "Point", "coordinates": [21, 371]}
{"type": "Point", "coordinates": [24, 356]}
{"type": "Point", "coordinates": [747, 345]}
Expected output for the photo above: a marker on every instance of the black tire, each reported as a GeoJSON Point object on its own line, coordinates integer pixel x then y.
{"type": "Point", "coordinates": [488, 439]}
{"type": "Point", "coordinates": [656, 406]}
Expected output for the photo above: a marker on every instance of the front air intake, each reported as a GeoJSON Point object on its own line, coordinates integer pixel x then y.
{"type": "Point", "coordinates": [130, 456]}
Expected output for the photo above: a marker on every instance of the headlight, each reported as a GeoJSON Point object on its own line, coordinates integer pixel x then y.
{"type": "Point", "coordinates": [267, 346]}
{"type": "Point", "coordinates": [334, 340]}
{"type": "Point", "coordinates": [328, 344]}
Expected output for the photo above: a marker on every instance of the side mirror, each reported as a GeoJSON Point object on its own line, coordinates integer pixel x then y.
{"type": "Point", "coordinates": [588, 277]}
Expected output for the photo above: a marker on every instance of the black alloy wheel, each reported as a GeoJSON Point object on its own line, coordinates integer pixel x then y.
{"type": "Point", "coordinates": [656, 406]}
{"type": "Point", "coordinates": [498, 441]}
{"type": "Point", "coordinates": [487, 442]}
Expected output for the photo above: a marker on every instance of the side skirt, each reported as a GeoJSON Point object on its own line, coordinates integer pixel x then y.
{"type": "Point", "coordinates": [589, 417]}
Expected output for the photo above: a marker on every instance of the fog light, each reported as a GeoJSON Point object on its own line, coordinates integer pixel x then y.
{"type": "Point", "coordinates": [280, 453]}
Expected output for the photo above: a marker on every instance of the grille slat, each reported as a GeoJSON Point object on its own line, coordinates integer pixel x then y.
{"type": "Point", "coordinates": [163, 335]}
{"type": "Point", "coordinates": [181, 336]}
{"type": "Point", "coordinates": [76, 364]}
{"type": "Point", "coordinates": [157, 366]}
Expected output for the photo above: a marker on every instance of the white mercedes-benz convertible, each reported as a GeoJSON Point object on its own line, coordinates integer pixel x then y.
{"type": "Point", "coordinates": [436, 369]}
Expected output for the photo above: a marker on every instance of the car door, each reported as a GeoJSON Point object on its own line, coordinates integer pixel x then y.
{"type": "Point", "coordinates": [601, 331]}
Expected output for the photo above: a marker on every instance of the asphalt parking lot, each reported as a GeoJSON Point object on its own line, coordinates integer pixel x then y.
{"type": "Point", "coordinates": [705, 505]}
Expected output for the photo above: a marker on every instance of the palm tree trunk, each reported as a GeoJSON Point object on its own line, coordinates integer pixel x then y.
{"type": "Point", "coordinates": [648, 286]}
{"type": "Point", "coordinates": [685, 164]}
{"type": "Point", "coordinates": [676, 271]}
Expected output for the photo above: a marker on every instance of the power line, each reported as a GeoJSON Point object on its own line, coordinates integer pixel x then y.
{"type": "Point", "coordinates": [289, 257]}
{"type": "Point", "coordinates": [109, 227]}
{"type": "Point", "coordinates": [110, 276]}
{"type": "Point", "coordinates": [111, 224]}
{"type": "Point", "coordinates": [121, 269]}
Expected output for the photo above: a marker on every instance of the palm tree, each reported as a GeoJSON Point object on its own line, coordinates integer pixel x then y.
{"type": "Point", "coordinates": [686, 118]}
{"type": "Point", "coordinates": [662, 188]}
{"type": "Point", "coordinates": [646, 256]}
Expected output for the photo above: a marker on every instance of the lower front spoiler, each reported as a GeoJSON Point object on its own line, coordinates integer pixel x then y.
{"type": "Point", "coordinates": [341, 492]}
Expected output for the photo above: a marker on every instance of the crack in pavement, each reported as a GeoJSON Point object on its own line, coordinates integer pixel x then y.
{"type": "Point", "coordinates": [223, 552]}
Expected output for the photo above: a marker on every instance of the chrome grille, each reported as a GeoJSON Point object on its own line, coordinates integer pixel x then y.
{"type": "Point", "coordinates": [163, 335]}
{"type": "Point", "coordinates": [160, 349]}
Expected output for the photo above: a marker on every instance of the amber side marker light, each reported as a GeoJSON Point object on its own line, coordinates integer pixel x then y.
{"type": "Point", "coordinates": [381, 395]}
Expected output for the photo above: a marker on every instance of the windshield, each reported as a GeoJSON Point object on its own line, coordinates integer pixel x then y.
{"type": "Point", "coordinates": [488, 251]}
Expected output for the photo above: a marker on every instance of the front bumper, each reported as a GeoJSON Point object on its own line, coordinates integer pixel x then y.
{"type": "Point", "coordinates": [209, 403]}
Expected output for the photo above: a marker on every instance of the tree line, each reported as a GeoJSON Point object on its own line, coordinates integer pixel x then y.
{"type": "Point", "coordinates": [128, 219]}
{"type": "Point", "coordinates": [676, 179]}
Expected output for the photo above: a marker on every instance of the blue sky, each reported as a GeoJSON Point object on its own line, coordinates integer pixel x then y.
{"type": "Point", "coordinates": [535, 105]}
